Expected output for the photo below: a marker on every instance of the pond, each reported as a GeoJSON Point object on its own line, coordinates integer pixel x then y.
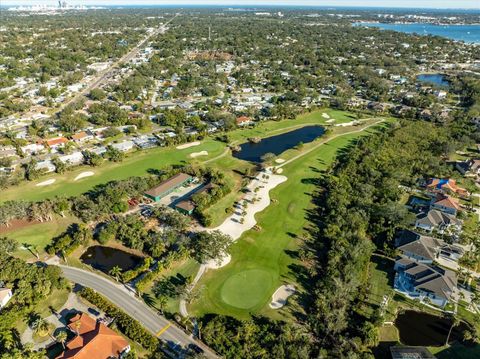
{"type": "Point", "coordinates": [105, 258]}
{"type": "Point", "coordinates": [253, 152]}
{"type": "Point", "coordinates": [422, 329]}
{"type": "Point", "coordinates": [433, 79]}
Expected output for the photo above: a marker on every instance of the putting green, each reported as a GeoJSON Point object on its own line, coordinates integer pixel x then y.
{"type": "Point", "coordinates": [246, 289]}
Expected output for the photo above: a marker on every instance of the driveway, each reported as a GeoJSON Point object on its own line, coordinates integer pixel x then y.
{"type": "Point", "coordinates": [124, 299]}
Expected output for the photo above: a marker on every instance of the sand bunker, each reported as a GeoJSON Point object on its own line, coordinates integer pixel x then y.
{"type": "Point", "coordinates": [330, 121]}
{"type": "Point", "coordinates": [215, 264]}
{"type": "Point", "coordinates": [279, 160]}
{"type": "Point", "coordinates": [187, 145]}
{"type": "Point", "coordinates": [83, 175]}
{"type": "Point", "coordinates": [46, 183]}
{"type": "Point", "coordinates": [279, 170]}
{"type": "Point", "coordinates": [197, 154]}
{"type": "Point", "coordinates": [279, 298]}
{"type": "Point", "coordinates": [325, 115]}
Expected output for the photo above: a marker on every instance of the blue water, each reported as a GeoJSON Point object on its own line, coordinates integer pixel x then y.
{"type": "Point", "coordinates": [467, 33]}
{"type": "Point", "coordinates": [253, 152]}
{"type": "Point", "coordinates": [433, 79]}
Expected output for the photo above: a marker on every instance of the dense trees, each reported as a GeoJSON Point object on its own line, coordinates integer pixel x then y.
{"type": "Point", "coordinates": [210, 245]}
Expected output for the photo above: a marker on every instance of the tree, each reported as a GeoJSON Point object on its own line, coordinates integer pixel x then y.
{"type": "Point", "coordinates": [114, 155]}
{"type": "Point", "coordinates": [115, 272]}
{"type": "Point", "coordinates": [8, 245]}
{"type": "Point", "coordinates": [268, 157]}
{"type": "Point", "coordinates": [97, 94]}
{"type": "Point", "coordinates": [210, 245]}
{"type": "Point", "coordinates": [61, 337]}
{"type": "Point", "coordinates": [162, 302]}
{"type": "Point", "coordinates": [39, 325]}
{"type": "Point", "coordinates": [455, 322]}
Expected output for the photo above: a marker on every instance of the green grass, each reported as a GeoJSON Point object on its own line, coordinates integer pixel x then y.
{"type": "Point", "coordinates": [136, 164]}
{"type": "Point", "coordinates": [456, 351]}
{"type": "Point", "coordinates": [266, 251]}
{"type": "Point", "coordinates": [38, 235]}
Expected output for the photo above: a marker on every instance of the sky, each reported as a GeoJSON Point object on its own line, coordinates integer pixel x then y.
{"type": "Point", "coordinates": [471, 4]}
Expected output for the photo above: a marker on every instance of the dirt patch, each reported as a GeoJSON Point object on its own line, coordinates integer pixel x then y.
{"type": "Point", "coordinates": [188, 145]}
{"type": "Point", "coordinates": [15, 224]}
{"type": "Point", "coordinates": [198, 154]}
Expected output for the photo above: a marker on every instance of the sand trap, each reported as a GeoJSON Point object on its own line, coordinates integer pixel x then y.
{"type": "Point", "coordinates": [214, 264]}
{"type": "Point", "coordinates": [279, 160]}
{"type": "Point", "coordinates": [198, 154]}
{"type": "Point", "coordinates": [330, 121]}
{"type": "Point", "coordinates": [325, 115]}
{"type": "Point", "coordinates": [278, 171]}
{"type": "Point", "coordinates": [187, 145]}
{"type": "Point", "coordinates": [84, 174]}
{"type": "Point", "coordinates": [279, 298]}
{"type": "Point", "coordinates": [46, 183]}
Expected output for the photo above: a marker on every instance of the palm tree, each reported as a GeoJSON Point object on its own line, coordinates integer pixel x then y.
{"type": "Point", "coordinates": [61, 337]}
{"type": "Point", "coordinates": [162, 303]}
{"type": "Point", "coordinates": [455, 322]}
{"type": "Point", "coordinates": [40, 326]}
{"type": "Point", "coordinates": [115, 272]}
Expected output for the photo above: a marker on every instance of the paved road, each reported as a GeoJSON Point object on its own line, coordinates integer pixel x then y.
{"type": "Point", "coordinates": [124, 299]}
{"type": "Point", "coordinates": [104, 75]}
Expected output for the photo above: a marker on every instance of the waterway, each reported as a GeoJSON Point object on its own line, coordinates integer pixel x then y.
{"type": "Point", "coordinates": [467, 33]}
{"type": "Point", "coordinates": [253, 152]}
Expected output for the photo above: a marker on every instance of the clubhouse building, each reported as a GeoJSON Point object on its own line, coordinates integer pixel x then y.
{"type": "Point", "coordinates": [168, 186]}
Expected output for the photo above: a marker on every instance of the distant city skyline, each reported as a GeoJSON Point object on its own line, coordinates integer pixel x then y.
{"type": "Point", "coordinates": [444, 4]}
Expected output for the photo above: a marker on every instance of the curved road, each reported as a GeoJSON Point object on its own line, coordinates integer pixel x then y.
{"type": "Point", "coordinates": [124, 299]}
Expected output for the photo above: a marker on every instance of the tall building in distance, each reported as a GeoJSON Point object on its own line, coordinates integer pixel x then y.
{"type": "Point", "coordinates": [62, 4]}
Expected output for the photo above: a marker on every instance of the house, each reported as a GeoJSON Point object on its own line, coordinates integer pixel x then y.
{"type": "Point", "coordinates": [72, 159]}
{"type": "Point", "coordinates": [81, 137]}
{"type": "Point", "coordinates": [168, 186]}
{"type": "Point", "coordinates": [5, 296]}
{"type": "Point", "coordinates": [124, 146]}
{"type": "Point", "coordinates": [445, 204]}
{"type": "Point", "coordinates": [7, 151]}
{"type": "Point", "coordinates": [57, 142]}
{"type": "Point", "coordinates": [437, 220]}
{"type": "Point", "coordinates": [98, 150]}
{"type": "Point", "coordinates": [416, 247]}
{"type": "Point", "coordinates": [425, 281]}
{"type": "Point", "coordinates": [45, 166]}
{"type": "Point", "coordinates": [244, 121]}
{"type": "Point", "coordinates": [446, 186]}
{"type": "Point", "coordinates": [441, 94]}
{"type": "Point", "coordinates": [32, 149]}
{"type": "Point", "coordinates": [469, 167]}
{"type": "Point", "coordinates": [93, 340]}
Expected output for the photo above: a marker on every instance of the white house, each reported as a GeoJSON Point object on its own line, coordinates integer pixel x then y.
{"type": "Point", "coordinates": [32, 148]}
{"type": "Point", "coordinates": [72, 159]}
{"type": "Point", "coordinates": [124, 146]}
{"type": "Point", "coordinates": [5, 296]}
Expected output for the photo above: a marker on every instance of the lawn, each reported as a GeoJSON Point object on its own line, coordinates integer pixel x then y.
{"type": "Point", "coordinates": [261, 260]}
{"type": "Point", "coordinates": [136, 164]}
{"type": "Point", "coordinates": [37, 235]}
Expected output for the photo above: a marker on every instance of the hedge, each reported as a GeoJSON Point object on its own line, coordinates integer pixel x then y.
{"type": "Point", "coordinates": [126, 324]}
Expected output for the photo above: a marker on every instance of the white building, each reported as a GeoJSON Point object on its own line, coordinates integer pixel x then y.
{"type": "Point", "coordinates": [72, 159]}
{"type": "Point", "coordinates": [123, 146]}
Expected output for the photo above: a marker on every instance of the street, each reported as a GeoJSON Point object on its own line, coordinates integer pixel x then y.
{"type": "Point", "coordinates": [121, 297]}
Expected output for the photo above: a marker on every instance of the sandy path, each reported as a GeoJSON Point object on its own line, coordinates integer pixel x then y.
{"type": "Point", "coordinates": [84, 174]}
{"type": "Point", "coordinates": [198, 154]}
{"type": "Point", "coordinates": [280, 297]}
{"type": "Point", "coordinates": [188, 145]}
{"type": "Point", "coordinates": [46, 183]}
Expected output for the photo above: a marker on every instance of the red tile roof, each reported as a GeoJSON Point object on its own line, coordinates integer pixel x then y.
{"type": "Point", "coordinates": [94, 340]}
{"type": "Point", "coordinates": [243, 119]}
{"type": "Point", "coordinates": [56, 141]}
